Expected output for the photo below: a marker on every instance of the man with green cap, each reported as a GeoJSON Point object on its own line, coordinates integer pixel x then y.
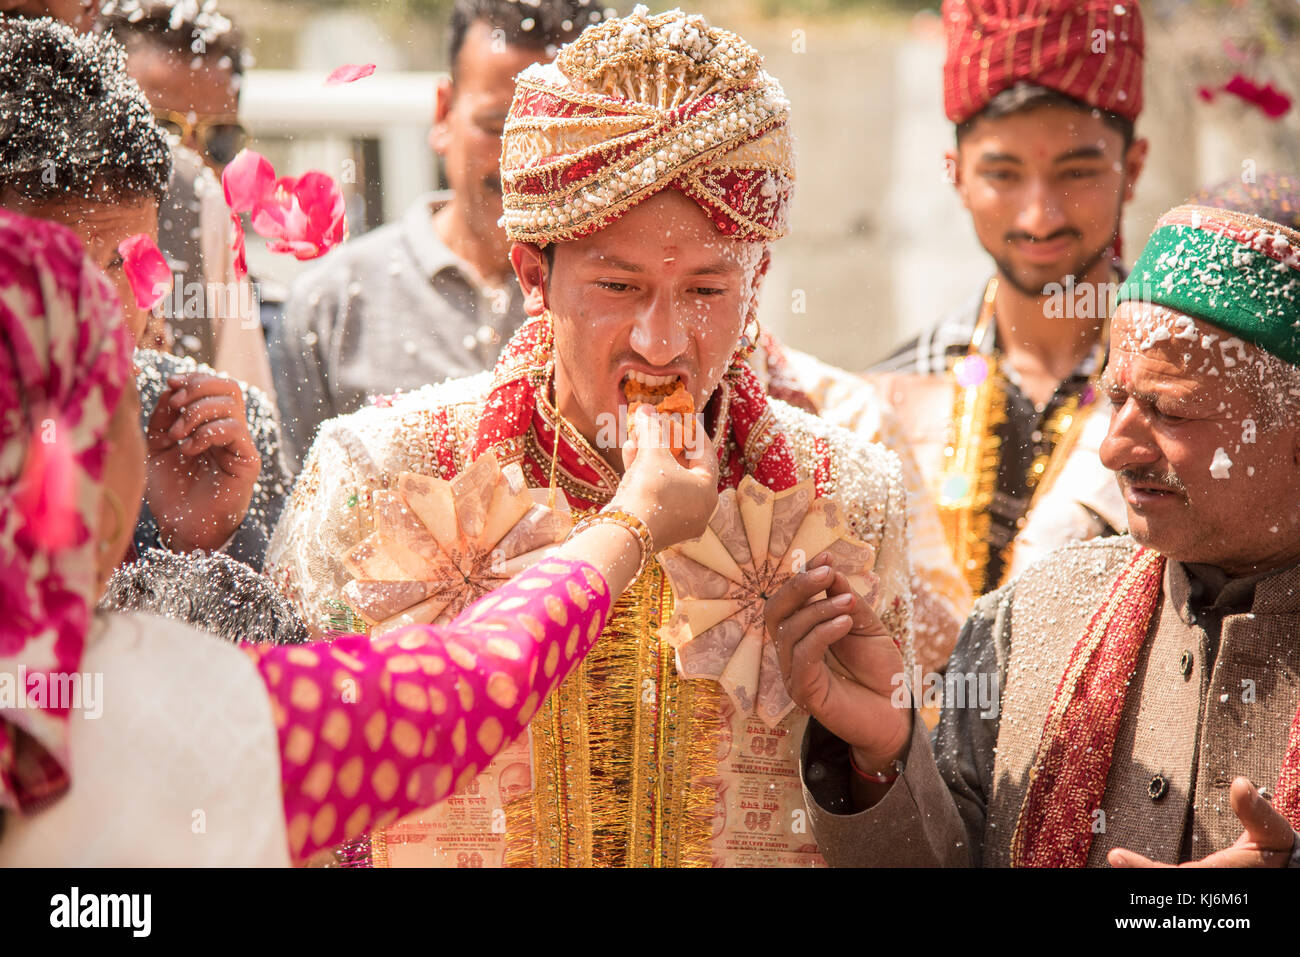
{"type": "Point", "coordinates": [1149, 683]}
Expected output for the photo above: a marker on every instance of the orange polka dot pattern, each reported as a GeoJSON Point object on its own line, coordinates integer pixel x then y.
{"type": "Point", "coordinates": [370, 731]}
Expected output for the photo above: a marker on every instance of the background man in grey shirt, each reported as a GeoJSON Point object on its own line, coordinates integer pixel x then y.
{"type": "Point", "coordinates": [432, 295]}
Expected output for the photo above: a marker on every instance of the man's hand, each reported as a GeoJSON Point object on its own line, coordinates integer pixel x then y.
{"type": "Point", "coordinates": [203, 462]}
{"type": "Point", "coordinates": [840, 663]}
{"type": "Point", "coordinates": [1267, 840]}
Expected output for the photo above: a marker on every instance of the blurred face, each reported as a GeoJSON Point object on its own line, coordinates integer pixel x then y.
{"type": "Point", "coordinates": [1045, 188]}
{"type": "Point", "coordinates": [1202, 478]}
{"type": "Point", "coordinates": [101, 227]}
{"type": "Point", "coordinates": [469, 116]}
{"type": "Point", "coordinates": [659, 293]}
{"type": "Point", "coordinates": [197, 99]}
{"type": "Point", "coordinates": [79, 14]}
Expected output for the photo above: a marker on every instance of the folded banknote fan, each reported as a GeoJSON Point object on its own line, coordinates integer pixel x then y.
{"type": "Point", "coordinates": [440, 545]}
{"type": "Point", "coordinates": [757, 540]}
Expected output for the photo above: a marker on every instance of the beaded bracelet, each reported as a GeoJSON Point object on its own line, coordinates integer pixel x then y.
{"type": "Point", "coordinates": [628, 521]}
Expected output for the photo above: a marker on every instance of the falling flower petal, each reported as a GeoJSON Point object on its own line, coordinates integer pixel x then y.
{"type": "Point", "coordinates": [1206, 94]}
{"type": "Point", "coordinates": [237, 246]}
{"type": "Point", "coordinates": [302, 216]}
{"type": "Point", "coordinates": [1271, 101]}
{"type": "Point", "coordinates": [46, 495]}
{"type": "Point", "coordinates": [246, 180]}
{"type": "Point", "coordinates": [349, 73]}
{"type": "Point", "coordinates": [145, 269]}
{"type": "Point", "coordinates": [1234, 52]}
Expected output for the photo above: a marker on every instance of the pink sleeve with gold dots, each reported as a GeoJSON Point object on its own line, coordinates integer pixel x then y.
{"type": "Point", "coordinates": [372, 730]}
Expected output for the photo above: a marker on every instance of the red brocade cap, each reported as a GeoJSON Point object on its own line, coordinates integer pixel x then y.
{"type": "Point", "coordinates": [1089, 50]}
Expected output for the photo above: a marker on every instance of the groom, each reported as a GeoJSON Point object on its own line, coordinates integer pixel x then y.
{"type": "Point", "coordinates": [640, 212]}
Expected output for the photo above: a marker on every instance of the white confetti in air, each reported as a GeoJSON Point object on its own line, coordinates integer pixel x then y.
{"type": "Point", "coordinates": [1220, 464]}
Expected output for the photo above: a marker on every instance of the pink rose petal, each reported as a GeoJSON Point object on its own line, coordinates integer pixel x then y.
{"type": "Point", "coordinates": [349, 73]}
{"type": "Point", "coordinates": [237, 246]}
{"type": "Point", "coordinates": [246, 180]}
{"type": "Point", "coordinates": [304, 217]}
{"type": "Point", "coordinates": [146, 270]}
{"type": "Point", "coordinates": [1234, 52]}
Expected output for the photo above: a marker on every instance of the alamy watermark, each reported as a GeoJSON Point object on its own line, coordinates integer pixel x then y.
{"type": "Point", "coordinates": [954, 689]}
{"type": "Point", "coordinates": [612, 430]}
{"type": "Point", "coordinates": [208, 300]}
{"type": "Point", "coordinates": [133, 912]}
{"type": "Point", "coordinates": [72, 691]}
{"type": "Point", "coordinates": [1089, 300]}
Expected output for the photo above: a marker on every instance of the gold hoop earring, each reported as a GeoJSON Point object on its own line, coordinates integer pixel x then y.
{"type": "Point", "coordinates": [119, 519]}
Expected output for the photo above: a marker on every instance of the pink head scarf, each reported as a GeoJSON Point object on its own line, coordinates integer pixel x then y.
{"type": "Point", "coordinates": [65, 356]}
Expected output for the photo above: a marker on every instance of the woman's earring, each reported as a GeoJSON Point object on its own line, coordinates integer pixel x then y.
{"type": "Point", "coordinates": [119, 519]}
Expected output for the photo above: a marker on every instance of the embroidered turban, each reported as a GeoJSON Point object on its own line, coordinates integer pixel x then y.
{"type": "Point", "coordinates": [1233, 270]}
{"type": "Point", "coordinates": [635, 106]}
{"type": "Point", "coordinates": [1089, 50]}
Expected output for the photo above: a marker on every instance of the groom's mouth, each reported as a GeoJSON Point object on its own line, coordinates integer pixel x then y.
{"type": "Point", "coordinates": [642, 382]}
{"type": "Point", "coordinates": [638, 386]}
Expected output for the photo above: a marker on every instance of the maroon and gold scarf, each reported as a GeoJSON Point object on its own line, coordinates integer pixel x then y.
{"type": "Point", "coordinates": [1068, 777]}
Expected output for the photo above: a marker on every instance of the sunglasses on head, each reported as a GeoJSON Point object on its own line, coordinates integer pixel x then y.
{"type": "Point", "coordinates": [221, 137]}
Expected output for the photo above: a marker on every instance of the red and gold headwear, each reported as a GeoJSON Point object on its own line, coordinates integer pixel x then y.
{"type": "Point", "coordinates": [634, 106]}
{"type": "Point", "coordinates": [1090, 50]}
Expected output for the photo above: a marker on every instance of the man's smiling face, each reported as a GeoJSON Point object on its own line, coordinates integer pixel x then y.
{"type": "Point", "coordinates": [1045, 188]}
{"type": "Point", "coordinates": [658, 293]}
{"type": "Point", "coordinates": [1206, 457]}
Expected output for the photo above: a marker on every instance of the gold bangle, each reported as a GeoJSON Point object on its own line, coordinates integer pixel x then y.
{"type": "Point", "coordinates": [629, 521]}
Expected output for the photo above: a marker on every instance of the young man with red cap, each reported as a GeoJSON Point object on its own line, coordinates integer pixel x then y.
{"type": "Point", "coordinates": [997, 395]}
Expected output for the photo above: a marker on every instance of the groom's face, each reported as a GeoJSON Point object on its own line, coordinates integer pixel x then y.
{"type": "Point", "coordinates": [659, 293]}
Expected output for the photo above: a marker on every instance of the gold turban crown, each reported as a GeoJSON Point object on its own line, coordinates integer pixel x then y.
{"type": "Point", "coordinates": [634, 106]}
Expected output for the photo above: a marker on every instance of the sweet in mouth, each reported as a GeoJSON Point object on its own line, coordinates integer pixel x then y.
{"type": "Point", "coordinates": [669, 397]}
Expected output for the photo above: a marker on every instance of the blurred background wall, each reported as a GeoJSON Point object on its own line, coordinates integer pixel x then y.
{"type": "Point", "coordinates": [880, 246]}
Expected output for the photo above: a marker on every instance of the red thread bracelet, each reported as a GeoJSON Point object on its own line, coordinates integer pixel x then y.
{"type": "Point", "coordinates": [876, 778]}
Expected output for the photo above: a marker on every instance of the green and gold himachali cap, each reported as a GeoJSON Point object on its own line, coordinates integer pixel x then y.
{"type": "Point", "coordinates": [1233, 270]}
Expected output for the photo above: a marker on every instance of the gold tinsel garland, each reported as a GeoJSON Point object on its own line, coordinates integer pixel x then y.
{"type": "Point", "coordinates": [969, 477]}
{"type": "Point", "coordinates": [618, 754]}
